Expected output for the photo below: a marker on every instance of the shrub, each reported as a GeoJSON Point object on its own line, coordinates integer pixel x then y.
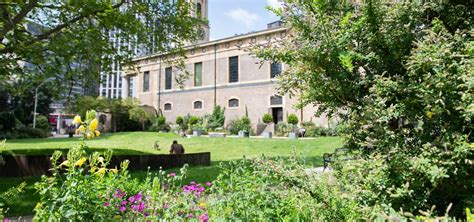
{"type": "Point", "coordinates": [43, 124]}
{"type": "Point", "coordinates": [267, 118]}
{"type": "Point", "coordinates": [160, 125]}
{"type": "Point", "coordinates": [237, 125]}
{"type": "Point", "coordinates": [308, 124]}
{"type": "Point", "coordinates": [217, 118]}
{"type": "Point", "coordinates": [292, 119]}
{"type": "Point", "coordinates": [28, 132]}
{"type": "Point", "coordinates": [193, 120]}
{"type": "Point", "coordinates": [179, 120]}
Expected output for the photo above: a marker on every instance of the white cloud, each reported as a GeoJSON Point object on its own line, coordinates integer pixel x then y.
{"type": "Point", "coordinates": [275, 3]}
{"type": "Point", "coordinates": [244, 16]}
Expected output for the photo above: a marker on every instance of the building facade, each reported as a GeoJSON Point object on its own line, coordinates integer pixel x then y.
{"type": "Point", "coordinates": [111, 83]}
{"type": "Point", "coordinates": [222, 72]}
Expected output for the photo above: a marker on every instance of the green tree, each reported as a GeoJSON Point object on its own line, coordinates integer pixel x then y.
{"type": "Point", "coordinates": [267, 118]}
{"type": "Point", "coordinates": [400, 75]}
{"type": "Point", "coordinates": [217, 118]}
{"type": "Point", "coordinates": [139, 114]}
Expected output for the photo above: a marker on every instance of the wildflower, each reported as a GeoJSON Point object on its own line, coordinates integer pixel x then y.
{"type": "Point", "coordinates": [90, 136]}
{"type": "Point", "coordinates": [101, 171]}
{"type": "Point", "coordinates": [80, 162]}
{"type": "Point", "coordinates": [190, 216]}
{"type": "Point", "coordinates": [429, 114]}
{"type": "Point", "coordinates": [119, 194]}
{"type": "Point", "coordinates": [65, 163]}
{"type": "Point", "coordinates": [114, 171]}
{"type": "Point", "coordinates": [5, 220]}
{"type": "Point", "coordinates": [208, 184]}
{"type": "Point", "coordinates": [172, 174]}
{"type": "Point", "coordinates": [77, 120]}
{"type": "Point", "coordinates": [122, 208]}
{"type": "Point", "coordinates": [204, 217]}
{"type": "Point", "coordinates": [106, 204]}
{"type": "Point", "coordinates": [202, 204]}
{"type": "Point", "coordinates": [97, 133]}
{"type": "Point", "coordinates": [93, 125]}
{"type": "Point", "coordinates": [141, 206]}
{"type": "Point", "coordinates": [80, 129]}
{"type": "Point", "coordinates": [124, 202]}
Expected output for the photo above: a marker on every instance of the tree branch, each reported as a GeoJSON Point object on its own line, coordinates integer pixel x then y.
{"type": "Point", "coordinates": [59, 28]}
{"type": "Point", "coordinates": [9, 25]}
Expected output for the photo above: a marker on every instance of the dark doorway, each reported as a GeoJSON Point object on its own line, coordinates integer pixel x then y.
{"type": "Point", "coordinates": [277, 113]}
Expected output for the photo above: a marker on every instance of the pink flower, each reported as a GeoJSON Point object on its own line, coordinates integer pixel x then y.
{"type": "Point", "coordinates": [119, 194]}
{"type": "Point", "coordinates": [122, 209]}
{"type": "Point", "coordinates": [5, 220]}
{"type": "Point", "coordinates": [172, 174]}
{"type": "Point", "coordinates": [192, 183]}
{"type": "Point", "coordinates": [208, 184]}
{"type": "Point", "coordinates": [124, 202]}
{"type": "Point", "coordinates": [190, 216]}
{"type": "Point", "coordinates": [106, 204]}
{"type": "Point", "coordinates": [165, 206]}
{"type": "Point", "coordinates": [204, 217]}
{"type": "Point", "coordinates": [141, 206]}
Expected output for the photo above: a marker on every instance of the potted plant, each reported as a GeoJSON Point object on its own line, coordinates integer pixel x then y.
{"type": "Point", "coordinates": [197, 130]}
{"type": "Point", "coordinates": [293, 121]}
{"type": "Point", "coordinates": [267, 119]}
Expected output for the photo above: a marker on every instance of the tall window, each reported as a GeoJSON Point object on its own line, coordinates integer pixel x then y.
{"type": "Point", "coordinates": [198, 10]}
{"type": "Point", "coordinates": [275, 69]}
{"type": "Point", "coordinates": [197, 105]}
{"type": "Point", "coordinates": [168, 78]}
{"type": "Point", "coordinates": [198, 74]}
{"type": "Point", "coordinates": [233, 103]}
{"type": "Point", "coordinates": [234, 69]}
{"type": "Point", "coordinates": [146, 81]}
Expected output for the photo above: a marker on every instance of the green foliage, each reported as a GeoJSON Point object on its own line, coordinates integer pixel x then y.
{"type": "Point", "coordinates": [179, 120]}
{"type": "Point", "coordinates": [42, 123]}
{"type": "Point", "coordinates": [237, 125]}
{"type": "Point", "coordinates": [217, 118]}
{"type": "Point", "coordinates": [400, 76]}
{"type": "Point", "coordinates": [160, 125]}
{"type": "Point", "coordinates": [292, 119]}
{"type": "Point", "coordinates": [267, 118]}
{"type": "Point", "coordinates": [139, 114]}
{"type": "Point", "coordinates": [8, 197]}
{"type": "Point", "coordinates": [193, 120]}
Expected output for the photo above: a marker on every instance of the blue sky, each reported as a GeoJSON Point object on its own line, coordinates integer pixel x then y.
{"type": "Point", "coordinates": [229, 17]}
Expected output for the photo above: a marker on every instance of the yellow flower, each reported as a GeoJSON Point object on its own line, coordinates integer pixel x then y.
{"type": "Point", "coordinates": [90, 136]}
{"type": "Point", "coordinates": [97, 133]}
{"type": "Point", "coordinates": [93, 125]}
{"type": "Point", "coordinates": [80, 162]}
{"type": "Point", "coordinates": [429, 114]}
{"type": "Point", "coordinates": [115, 171]}
{"type": "Point", "coordinates": [101, 171]}
{"type": "Point", "coordinates": [202, 204]}
{"type": "Point", "coordinates": [77, 120]}
{"type": "Point", "coordinates": [65, 163]}
{"type": "Point", "coordinates": [80, 129]}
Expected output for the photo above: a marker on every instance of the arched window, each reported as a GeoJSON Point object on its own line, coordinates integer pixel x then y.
{"type": "Point", "coordinates": [233, 103]}
{"type": "Point", "coordinates": [198, 10]}
{"type": "Point", "coordinates": [168, 106]}
{"type": "Point", "coordinates": [197, 105]}
{"type": "Point", "coordinates": [276, 100]}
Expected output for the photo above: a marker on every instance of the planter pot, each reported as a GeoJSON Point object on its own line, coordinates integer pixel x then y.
{"type": "Point", "coordinates": [267, 135]}
{"type": "Point", "coordinates": [293, 135]}
{"type": "Point", "coordinates": [244, 134]}
{"type": "Point", "coordinates": [197, 132]}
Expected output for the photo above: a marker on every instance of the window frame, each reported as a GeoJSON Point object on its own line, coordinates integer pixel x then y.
{"type": "Point", "coordinates": [146, 81]}
{"type": "Point", "coordinates": [233, 107]}
{"type": "Point", "coordinates": [198, 101]}
{"type": "Point", "coordinates": [168, 110]}
{"type": "Point", "coordinates": [272, 75]}
{"type": "Point", "coordinates": [168, 79]}
{"type": "Point", "coordinates": [231, 78]}
{"type": "Point", "coordinates": [195, 65]}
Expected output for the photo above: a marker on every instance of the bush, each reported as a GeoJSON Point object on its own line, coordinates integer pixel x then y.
{"type": "Point", "coordinates": [217, 118]}
{"type": "Point", "coordinates": [42, 123]}
{"type": "Point", "coordinates": [308, 124]}
{"type": "Point", "coordinates": [237, 125]}
{"type": "Point", "coordinates": [292, 119]}
{"type": "Point", "coordinates": [267, 118]}
{"type": "Point", "coordinates": [160, 125]}
{"type": "Point", "coordinates": [193, 120]}
{"type": "Point", "coordinates": [28, 132]}
{"type": "Point", "coordinates": [179, 120]}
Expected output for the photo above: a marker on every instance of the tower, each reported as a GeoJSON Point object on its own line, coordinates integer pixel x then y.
{"type": "Point", "coordinates": [201, 11]}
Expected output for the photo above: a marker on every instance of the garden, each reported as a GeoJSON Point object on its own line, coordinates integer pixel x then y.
{"type": "Point", "coordinates": [398, 77]}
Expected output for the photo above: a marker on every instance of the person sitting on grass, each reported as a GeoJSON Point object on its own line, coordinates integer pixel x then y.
{"type": "Point", "coordinates": [176, 148]}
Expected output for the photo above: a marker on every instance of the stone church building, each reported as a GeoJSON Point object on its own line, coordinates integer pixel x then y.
{"type": "Point", "coordinates": [221, 72]}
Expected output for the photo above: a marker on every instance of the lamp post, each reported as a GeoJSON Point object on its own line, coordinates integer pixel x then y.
{"type": "Point", "coordinates": [36, 102]}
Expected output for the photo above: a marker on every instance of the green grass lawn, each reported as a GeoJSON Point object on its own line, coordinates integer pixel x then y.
{"type": "Point", "coordinates": [136, 143]}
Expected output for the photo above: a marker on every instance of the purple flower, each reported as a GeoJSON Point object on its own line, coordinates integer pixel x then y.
{"type": "Point", "coordinates": [134, 207]}
{"type": "Point", "coordinates": [189, 216]}
{"type": "Point", "coordinates": [165, 206]}
{"type": "Point", "coordinates": [141, 206]}
{"type": "Point", "coordinates": [106, 204]}
{"type": "Point", "coordinates": [172, 174]}
{"type": "Point", "coordinates": [124, 202]}
{"type": "Point", "coordinates": [119, 194]}
{"type": "Point", "coordinates": [192, 183]}
{"type": "Point", "coordinates": [204, 217]}
{"type": "Point", "coordinates": [5, 220]}
{"type": "Point", "coordinates": [208, 184]}
{"type": "Point", "coordinates": [122, 209]}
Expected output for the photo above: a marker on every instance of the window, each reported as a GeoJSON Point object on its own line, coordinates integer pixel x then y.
{"type": "Point", "coordinates": [276, 100]}
{"type": "Point", "coordinates": [197, 105]}
{"type": "Point", "coordinates": [198, 74]}
{"type": "Point", "coordinates": [167, 106]}
{"type": "Point", "coordinates": [233, 103]}
{"type": "Point", "coordinates": [275, 69]}
{"type": "Point", "coordinates": [234, 69]}
{"type": "Point", "coordinates": [198, 10]}
{"type": "Point", "coordinates": [146, 81]}
{"type": "Point", "coordinates": [168, 77]}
